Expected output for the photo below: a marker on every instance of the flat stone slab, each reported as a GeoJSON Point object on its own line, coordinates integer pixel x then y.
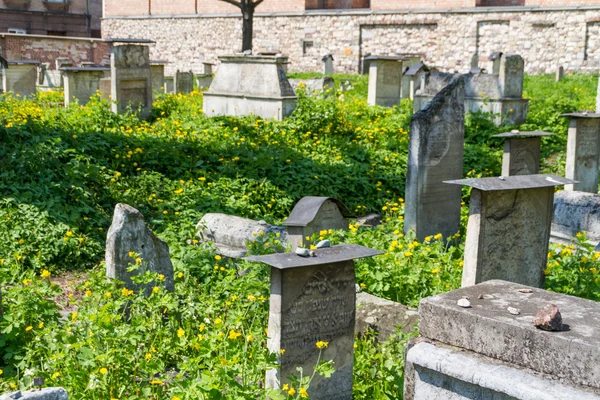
{"type": "Point", "coordinates": [581, 115]}
{"type": "Point", "coordinates": [42, 394]}
{"type": "Point", "coordinates": [513, 182]}
{"type": "Point", "coordinates": [383, 316]}
{"type": "Point", "coordinates": [490, 329]}
{"type": "Point", "coordinates": [576, 212]}
{"type": "Point", "coordinates": [516, 135]}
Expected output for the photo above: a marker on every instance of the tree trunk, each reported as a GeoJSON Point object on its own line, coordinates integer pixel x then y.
{"type": "Point", "coordinates": [247, 32]}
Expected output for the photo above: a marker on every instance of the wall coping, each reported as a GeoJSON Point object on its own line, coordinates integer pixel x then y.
{"type": "Point", "coordinates": [362, 12]}
{"type": "Point", "coordinates": [27, 36]}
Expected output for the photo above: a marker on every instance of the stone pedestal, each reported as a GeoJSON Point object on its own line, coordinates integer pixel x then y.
{"type": "Point", "coordinates": [82, 83]}
{"type": "Point", "coordinates": [583, 151]}
{"type": "Point", "coordinates": [435, 154]}
{"type": "Point", "coordinates": [521, 152]}
{"type": "Point", "coordinates": [485, 352]}
{"type": "Point", "coordinates": [314, 299]}
{"type": "Point", "coordinates": [509, 228]}
{"type": "Point", "coordinates": [131, 76]}
{"type": "Point", "coordinates": [157, 71]}
{"type": "Point", "coordinates": [21, 77]}
{"type": "Point", "coordinates": [247, 85]}
{"type": "Point", "coordinates": [385, 81]}
{"type": "Point", "coordinates": [184, 82]}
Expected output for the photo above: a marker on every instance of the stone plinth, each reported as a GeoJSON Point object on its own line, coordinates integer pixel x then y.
{"type": "Point", "coordinates": [314, 299]}
{"type": "Point", "coordinates": [509, 228]}
{"type": "Point", "coordinates": [385, 81]}
{"type": "Point", "coordinates": [250, 85]}
{"type": "Point", "coordinates": [184, 82]}
{"type": "Point", "coordinates": [80, 84]}
{"type": "Point", "coordinates": [576, 212]}
{"type": "Point", "coordinates": [20, 77]}
{"type": "Point", "coordinates": [521, 152]}
{"type": "Point", "coordinates": [131, 76]}
{"type": "Point", "coordinates": [157, 71]}
{"type": "Point", "coordinates": [583, 151]}
{"type": "Point", "coordinates": [435, 154]}
{"type": "Point", "coordinates": [312, 215]}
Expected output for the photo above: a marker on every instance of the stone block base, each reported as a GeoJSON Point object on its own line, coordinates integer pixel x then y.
{"type": "Point", "coordinates": [240, 105]}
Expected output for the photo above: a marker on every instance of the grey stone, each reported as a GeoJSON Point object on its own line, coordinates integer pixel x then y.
{"type": "Point", "coordinates": [204, 81]}
{"type": "Point", "coordinates": [383, 316]}
{"type": "Point", "coordinates": [105, 87]}
{"type": "Point", "coordinates": [369, 220]}
{"type": "Point", "coordinates": [230, 233]}
{"type": "Point", "coordinates": [514, 311]}
{"type": "Point", "coordinates": [548, 318]}
{"type": "Point", "coordinates": [157, 72]}
{"type": "Point", "coordinates": [129, 233]}
{"type": "Point", "coordinates": [521, 156]}
{"type": "Point", "coordinates": [169, 84]}
{"type": "Point", "coordinates": [250, 85]}
{"type": "Point", "coordinates": [38, 394]}
{"type": "Point", "coordinates": [131, 77]}
{"type": "Point", "coordinates": [576, 212]}
{"type": "Point", "coordinates": [446, 372]}
{"type": "Point", "coordinates": [598, 98]}
{"type": "Point", "coordinates": [81, 84]}
{"type": "Point", "coordinates": [512, 75]}
{"type": "Point", "coordinates": [560, 74]}
{"type": "Point", "coordinates": [435, 154]}
{"type": "Point", "coordinates": [184, 82]}
{"type": "Point", "coordinates": [302, 252]}
{"type": "Point", "coordinates": [464, 303]}
{"type": "Point", "coordinates": [328, 64]}
{"type": "Point", "coordinates": [583, 152]}
{"type": "Point", "coordinates": [572, 355]}
{"type": "Point", "coordinates": [385, 81]}
{"type": "Point", "coordinates": [319, 86]}
{"type": "Point", "coordinates": [323, 243]}
{"type": "Point", "coordinates": [20, 77]}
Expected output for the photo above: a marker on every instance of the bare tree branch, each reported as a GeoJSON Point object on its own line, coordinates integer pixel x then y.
{"type": "Point", "coordinates": [256, 3]}
{"type": "Point", "coordinates": [235, 3]}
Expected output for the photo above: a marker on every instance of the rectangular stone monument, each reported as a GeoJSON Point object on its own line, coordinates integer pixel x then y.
{"type": "Point", "coordinates": [411, 80]}
{"type": "Point", "coordinates": [494, 62]}
{"type": "Point", "coordinates": [106, 88]}
{"type": "Point", "coordinates": [583, 151]}
{"type": "Point", "coordinates": [314, 299]}
{"type": "Point", "coordinates": [385, 81]}
{"type": "Point", "coordinates": [205, 79]}
{"type": "Point", "coordinates": [169, 84]}
{"type": "Point", "coordinates": [184, 82]}
{"type": "Point", "coordinates": [521, 152]}
{"type": "Point", "coordinates": [486, 352]}
{"type": "Point", "coordinates": [131, 76]}
{"type": "Point", "coordinates": [21, 77]}
{"type": "Point", "coordinates": [512, 75]}
{"type": "Point", "coordinates": [157, 71]}
{"type": "Point", "coordinates": [318, 86]}
{"type": "Point", "coordinates": [509, 228]}
{"type": "Point", "coordinates": [247, 85]}
{"type": "Point", "coordinates": [312, 215]}
{"type": "Point", "coordinates": [81, 84]}
{"type": "Point", "coordinates": [435, 154]}
{"type": "Point", "coordinates": [327, 64]}
{"type": "Point", "coordinates": [560, 73]}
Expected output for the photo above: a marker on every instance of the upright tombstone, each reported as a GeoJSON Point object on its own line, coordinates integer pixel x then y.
{"type": "Point", "coordinates": [411, 79]}
{"type": "Point", "coordinates": [247, 85]}
{"type": "Point", "coordinates": [129, 236]}
{"type": "Point", "coordinates": [184, 82]}
{"type": "Point", "coordinates": [157, 71]}
{"type": "Point", "coordinates": [583, 151]}
{"type": "Point", "coordinates": [475, 61]}
{"type": "Point", "coordinates": [20, 77]}
{"type": "Point", "coordinates": [512, 76]}
{"type": "Point", "coordinates": [169, 84]}
{"type": "Point", "coordinates": [435, 154]}
{"type": "Point", "coordinates": [131, 76]}
{"type": "Point", "coordinates": [106, 88]}
{"type": "Point", "coordinates": [521, 152]}
{"type": "Point", "coordinates": [81, 84]}
{"type": "Point", "coordinates": [560, 73]}
{"type": "Point", "coordinates": [48, 79]}
{"type": "Point", "coordinates": [494, 62]}
{"type": "Point", "coordinates": [312, 215]}
{"type": "Point", "coordinates": [509, 228]}
{"type": "Point", "coordinates": [313, 299]}
{"type": "Point", "coordinates": [327, 64]}
{"type": "Point", "coordinates": [385, 80]}
{"type": "Point", "coordinates": [205, 79]}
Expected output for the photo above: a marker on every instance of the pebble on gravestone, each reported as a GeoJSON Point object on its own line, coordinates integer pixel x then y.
{"type": "Point", "coordinates": [129, 235]}
{"type": "Point", "coordinates": [548, 318]}
{"type": "Point", "coordinates": [312, 215]}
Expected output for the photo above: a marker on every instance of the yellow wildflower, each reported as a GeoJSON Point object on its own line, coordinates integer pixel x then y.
{"type": "Point", "coordinates": [292, 391]}
{"type": "Point", "coordinates": [45, 273]}
{"type": "Point", "coordinates": [180, 333]}
{"type": "Point", "coordinates": [28, 328]}
{"type": "Point", "coordinates": [303, 392]}
{"type": "Point", "coordinates": [103, 371]}
{"type": "Point", "coordinates": [321, 344]}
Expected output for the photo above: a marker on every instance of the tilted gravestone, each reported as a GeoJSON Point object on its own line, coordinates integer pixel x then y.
{"type": "Point", "coordinates": [128, 235]}
{"type": "Point", "coordinates": [313, 299]}
{"type": "Point", "coordinates": [435, 154]}
{"type": "Point", "coordinates": [385, 81]}
{"type": "Point", "coordinates": [20, 77]}
{"type": "Point", "coordinates": [509, 228]}
{"type": "Point", "coordinates": [521, 152]}
{"type": "Point", "coordinates": [583, 151]}
{"type": "Point", "coordinates": [82, 83]}
{"type": "Point", "coordinates": [312, 215]}
{"type": "Point", "coordinates": [184, 82]}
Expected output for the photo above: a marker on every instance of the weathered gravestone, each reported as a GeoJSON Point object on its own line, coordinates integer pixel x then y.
{"type": "Point", "coordinates": [312, 215]}
{"type": "Point", "coordinates": [435, 154]}
{"type": "Point", "coordinates": [247, 85]}
{"type": "Point", "coordinates": [475, 61]}
{"type": "Point", "coordinates": [314, 299]}
{"type": "Point", "coordinates": [327, 64]}
{"type": "Point", "coordinates": [128, 235]}
{"type": "Point", "coordinates": [231, 234]}
{"type": "Point", "coordinates": [521, 152]}
{"type": "Point", "coordinates": [411, 80]}
{"type": "Point", "coordinates": [205, 79]}
{"type": "Point", "coordinates": [509, 228]}
{"type": "Point", "coordinates": [48, 79]}
{"type": "Point", "coordinates": [494, 62]}
{"type": "Point", "coordinates": [512, 75]}
{"type": "Point", "coordinates": [157, 71]}
{"type": "Point", "coordinates": [560, 74]}
{"type": "Point", "coordinates": [385, 80]}
{"type": "Point", "coordinates": [318, 86]}
{"type": "Point", "coordinates": [576, 212]}
{"type": "Point", "coordinates": [20, 77]}
{"type": "Point", "coordinates": [184, 82]}
{"type": "Point", "coordinates": [486, 352]}
{"type": "Point", "coordinates": [81, 84]}
{"type": "Point", "coordinates": [106, 88]}
{"type": "Point", "coordinates": [583, 151]}
{"type": "Point", "coordinates": [41, 394]}
{"type": "Point", "coordinates": [131, 76]}
{"type": "Point", "coordinates": [169, 84]}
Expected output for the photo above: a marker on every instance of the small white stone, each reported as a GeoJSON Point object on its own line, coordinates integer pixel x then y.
{"type": "Point", "coordinates": [302, 252]}
{"type": "Point", "coordinates": [514, 311]}
{"type": "Point", "coordinates": [486, 296]}
{"type": "Point", "coordinates": [464, 303]}
{"type": "Point", "coordinates": [525, 291]}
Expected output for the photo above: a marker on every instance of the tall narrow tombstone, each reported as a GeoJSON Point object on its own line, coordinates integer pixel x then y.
{"type": "Point", "coordinates": [20, 77]}
{"type": "Point", "coordinates": [131, 76]}
{"type": "Point", "coordinates": [512, 75]}
{"type": "Point", "coordinates": [385, 81]}
{"type": "Point", "coordinates": [435, 154]}
{"type": "Point", "coordinates": [157, 71]}
{"type": "Point", "coordinates": [81, 84]}
{"type": "Point", "coordinates": [169, 84]}
{"type": "Point", "coordinates": [327, 64]}
{"type": "Point", "coordinates": [494, 62]}
{"type": "Point", "coordinates": [521, 152]}
{"type": "Point", "coordinates": [509, 228]}
{"type": "Point", "coordinates": [583, 151]}
{"type": "Point", "coordinates": [314, 299]}
{"type": "Point", "coordinates": [560, 73]}
{"type": "Point", "coordinates": [475, 61]}
{"type": "Point", "coordinates": [411, 80]}
{"type": "Point", "coordinates": [184, 82]}
{"type": "Point", "coordinates": [312, 215]}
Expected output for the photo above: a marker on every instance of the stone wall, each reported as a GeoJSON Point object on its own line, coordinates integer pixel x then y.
{"type": "Point", "coordinates": [545, 37]}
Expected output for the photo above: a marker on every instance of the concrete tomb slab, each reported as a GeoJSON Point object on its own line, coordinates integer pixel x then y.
{"type": "Point", "coordinates": [81, 84]}
{"type": "Point", "coordinates": [20, 77]}
{"type": "Point", "coordinates": [583, 151]}
{"type": "Point", "coordinates": [435, 154]}
{"type": "Point", "coordinates": [131, 76]}
{"type": "Point", "coordinates": [509, 228]}
{"type": "Point", "coordinates": [521, 152]}
{"type": "Point", "coordinates": [385, 81]}
{"type": "Point", "coordinates": [184, 82]}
